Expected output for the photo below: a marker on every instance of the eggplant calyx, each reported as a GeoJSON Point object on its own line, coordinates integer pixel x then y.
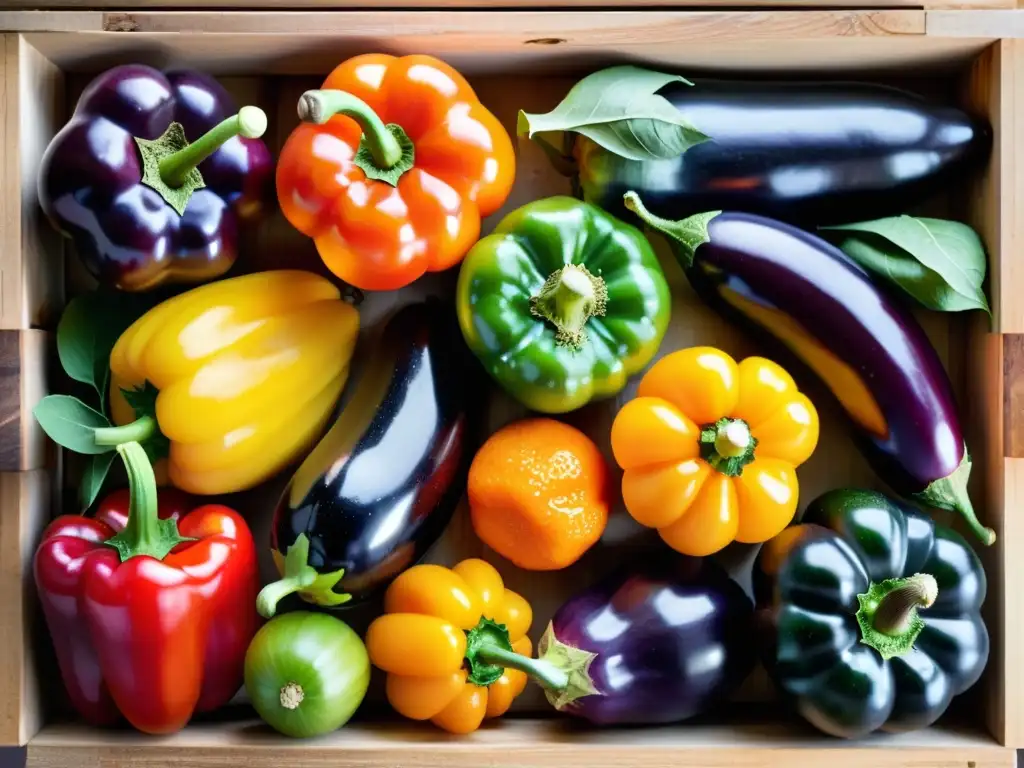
{"type": "Point", "coordinates": [568, 299]}
{"type": "Point", "coordinates": [298, 576]}
{"type": "Point", "coordinates": [573, 662]}
{"type": "Point", "coordinates": [685, 236]}
{"type": "Point", "coordinates": [950, 492]}
{"type": "Point", "coordinates": [888, 614]}
{"type": "Point", "coordinates": [727, 445]}
{"type": "Point", "coordinates": [489, 652]}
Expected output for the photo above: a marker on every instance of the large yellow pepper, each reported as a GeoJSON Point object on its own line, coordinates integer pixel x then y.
{"type": "Point", "coordinates": [710, 449]}
{"type": "Point", "coordinates": [454, 645]}
{"type": "Point", "coordinates": [240, 377]}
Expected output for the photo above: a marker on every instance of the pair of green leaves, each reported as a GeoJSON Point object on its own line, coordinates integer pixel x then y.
{"type": "Point", "coordinates": [939, 263]}
{"type": "Point", "coordinates": [86, 334]}
{"type": "Point", "coordinates": [620, 109]}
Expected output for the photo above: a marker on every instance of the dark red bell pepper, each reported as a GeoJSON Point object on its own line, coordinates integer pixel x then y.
{"type": "Point", "coordinates": [150, 614]}
{"type": "Point", "coordinates": [153, 174]}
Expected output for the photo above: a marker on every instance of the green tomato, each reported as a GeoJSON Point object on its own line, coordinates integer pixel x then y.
{"type": "Point", "coordinates": [306, 673]}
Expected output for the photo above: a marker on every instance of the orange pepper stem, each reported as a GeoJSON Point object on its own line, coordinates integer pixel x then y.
{"type": "Point", "coordinates": [544, 672]}
{"type": "Point", "coordinates": [727, 445]}
{"type": "Point", "coordinates": [250, 122]}
{"type": "Point", "coordinates": [888, 614]}
{"type": "Point", "coordinates": [138, 431]}
{"type": "Point", "coordinates": [568, 299]}
{"type": "Point", "coordinates": [385, 151]}
{"type": "Point", "coordinates": [144, 533]}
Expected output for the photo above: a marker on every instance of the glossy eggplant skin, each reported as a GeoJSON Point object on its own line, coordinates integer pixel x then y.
{"type": "Point", "coordinates": [811, 153]}
{"type": "Point", "coordinates": [681, 641]}
{"type": "Point", "coordinates": [382, 484]}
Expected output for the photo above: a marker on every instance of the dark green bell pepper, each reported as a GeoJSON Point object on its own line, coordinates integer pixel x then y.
{"type": "Point", "coordinates": [562, 303]}
{"type": "Point", "coordinates": [871, 614]}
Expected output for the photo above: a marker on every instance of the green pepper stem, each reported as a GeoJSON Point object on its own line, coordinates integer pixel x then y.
{"type": "Point", "coordinates": [568, 299]}
{"type": "Point", "coordinates": [250, 122]}
{"type": "Point", "coordinates": [144, 532]}
{"type": "Point", "coordinates": [138, 431]}
{"type": "Point", "coordinates": [547, 674]}
{"type": "Point", "coordinates": [320, 106]}
{"type": "Point", "coordinates": [896, 611]}
{"type": "Point", "coordinates": [298, 576]}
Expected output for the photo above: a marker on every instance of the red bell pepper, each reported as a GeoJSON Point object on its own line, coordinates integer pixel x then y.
{"type": "Point", "coordinates": [151, 612]}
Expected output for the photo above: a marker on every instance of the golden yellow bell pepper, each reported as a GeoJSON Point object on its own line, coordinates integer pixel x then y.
{"type": "Point", "coordinates": [234, 379]}
{"type": "Point", "coordinates": [710, 449]}
{"type": "Point", "coordinates": [454, 645]}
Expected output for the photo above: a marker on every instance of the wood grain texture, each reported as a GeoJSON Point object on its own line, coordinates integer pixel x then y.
{"type": "Point", "coordinates": [514, 744]}
{"type": "Point", "coordinates": [341, 5]}
{"type": "Point", "coordinates": [23, 356]}
{"type": "Point", "coordinates": [1013, 395]}
{"type": "Point", "coordinates": [24, 511]}
{"type": "Point", "coordinates": [31, 269]}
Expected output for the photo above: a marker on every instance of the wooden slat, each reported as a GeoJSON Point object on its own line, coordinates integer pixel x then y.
{"type": "Point", "coordinates": [1013, 395]}
{"type": "Point", "coordinates": [22, 384]}
{"type": "Point", "coordinates": [329, 5]}
{"type": "Point", "coordinates": [31, 266]}
{"type": "Point", "coordinates": [24, 511]}
{"type": "Point", "coordinates": [515, 744]}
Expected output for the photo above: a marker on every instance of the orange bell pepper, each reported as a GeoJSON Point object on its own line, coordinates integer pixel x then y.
{"type": "Point", "coordinates": [454, 645]}
{"type": "Point", "coordinates": [392, 169]}
{"type": "Point", "coordinates": [710, 449]}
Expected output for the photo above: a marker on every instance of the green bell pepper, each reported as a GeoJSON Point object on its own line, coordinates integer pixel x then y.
{"type": "Point", "coordinates": [871, 613]}
{"type": "Point", "coordinates": [562, 303]}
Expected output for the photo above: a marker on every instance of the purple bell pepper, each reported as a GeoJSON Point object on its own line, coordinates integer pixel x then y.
{"type": "Point", "coordinates": [142, 204]}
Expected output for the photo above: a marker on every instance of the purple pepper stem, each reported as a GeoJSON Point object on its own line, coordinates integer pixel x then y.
{"type": "Point", "coordinates": [250, 122]}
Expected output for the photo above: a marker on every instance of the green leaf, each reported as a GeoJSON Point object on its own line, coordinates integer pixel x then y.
{"type": "Point", "coordinates": [620, 109]}
{"type": "Point", "coordinates": [95, 473]}
{"type": "Point", "coordinates": [87, 332]}
{"type": "Point", "coordinates": [940, 263]}
{"type": "Point", "coordinates": [71, 423]}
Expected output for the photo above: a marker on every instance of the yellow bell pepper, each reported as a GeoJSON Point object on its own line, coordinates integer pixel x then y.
{"type": "Point", "coordinates": [454, 645]}
{"type": "Point", "coordinates": [234, 379]}
{"type": "Point", "coordinates": [710, 448]}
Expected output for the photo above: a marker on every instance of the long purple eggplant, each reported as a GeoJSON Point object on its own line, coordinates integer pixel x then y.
{"type": "Point", "coordinates": [657, 643]}
{"type": "Point", "coordinates": [808, 300]}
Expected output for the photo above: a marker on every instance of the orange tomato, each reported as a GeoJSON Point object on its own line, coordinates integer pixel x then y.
{"type": "Point", "coordinates": [710, 449]}
{"type": "Point", "coordinates": [538, 494]}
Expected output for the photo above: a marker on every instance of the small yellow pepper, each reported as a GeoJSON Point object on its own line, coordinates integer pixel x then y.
{"type": "Point", "coordinates": [233, 380]}
{"type": "Point", "coordinates": [710, 449]}
{"type": "Point", "coordinates": [454, 645]}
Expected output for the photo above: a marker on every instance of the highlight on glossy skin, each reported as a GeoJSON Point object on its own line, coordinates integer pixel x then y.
{"type": "Point", "coordinates": [247, 370]}
{"type": "Point", "coordinates": [385, 206]}
{"type": "Point", "coordinates": [710, 449]}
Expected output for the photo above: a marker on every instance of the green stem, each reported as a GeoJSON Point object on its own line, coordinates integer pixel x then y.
{"type": "Point", "coordinates": [276, 591]}
{"type": "Point", "coordinates": [727, 445]}
{"type": "Point", "coordinates": [138, 431]}
{"type": "Point", "coordinates": [547, 674]}
{"type": "Point", "coordinates": [298, 576]}
{"type": "Point", "coordinates": [320, 106]}
{"type": "Point", "coordinates": [250, 122]}
{"type": "Point", "coordinates": [685, 236]}
{"type": "Point", "coordinates": [888, 615]}
{"type": "Point", "coordinates": [896, 611]}
{"type": "Point", "coordinates": [568, 299]}
{"type": "Point", "coordinates": [144, 533]}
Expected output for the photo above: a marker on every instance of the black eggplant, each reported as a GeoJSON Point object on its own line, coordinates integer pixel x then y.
{"type": "Point", "coordinates": [804, 298]}
{"type": "Point", "coordinates": [810, 153]}
{"type": "Point", "coordinates": [382, 484]}
{"type": "Point", "coordinates": [658, 642]}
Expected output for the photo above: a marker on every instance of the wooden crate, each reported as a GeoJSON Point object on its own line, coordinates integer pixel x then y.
{"type": "Point", "coordinates": [518, 60]}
